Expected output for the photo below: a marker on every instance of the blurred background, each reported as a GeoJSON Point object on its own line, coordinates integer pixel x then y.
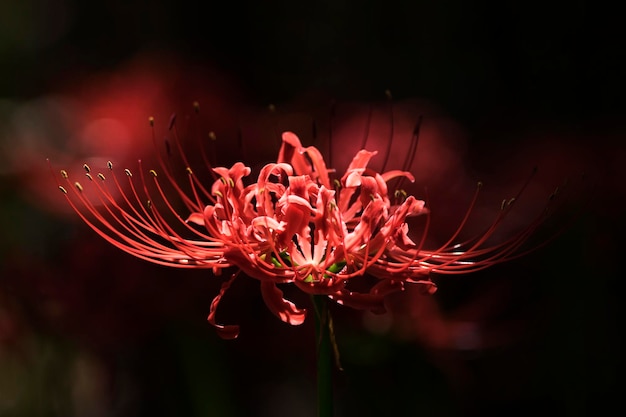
{"type": "Point", "coordinates": [86, 330]}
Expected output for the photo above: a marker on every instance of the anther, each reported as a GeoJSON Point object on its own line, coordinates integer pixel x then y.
{"type": "Point", "coordinates": [479, 185]}
{"type": "Point", "coordinates": [196, 106]}
{"type": "Point", "coordinates": [88, 175]}
{"type": "Point", "coordinates": [128, 173]}
{"type": "Point", "coordinates": [110, 165]}
{"type": "Point", "coordinates": [153, 173]}
{"type": "Point", "coordinates": [212, 135]}
{"type": "Point", "coordinates": [62, 189]}
{"type": "Point", "coordinates": [189, 171]}
{"type": "Point", "coordinates": [64, 174]}
{"type": "Point", "coordinates": [400, 195]}
{"type": "Point", "coordinates": [149, 204]}
{"type": "Point", "coordinates": [101, 176]}
{"type": "Point", "coordinates": [151, 121]}
{"type": "Point", "coordinates": [78, 186]}
{"type": "Point", "coordinates": [86, 167]}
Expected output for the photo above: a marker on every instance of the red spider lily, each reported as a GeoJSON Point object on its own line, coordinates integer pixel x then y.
{"type": "Point", "coordinates": [297, 224]}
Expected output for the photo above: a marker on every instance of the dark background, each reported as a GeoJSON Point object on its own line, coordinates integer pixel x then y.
{"type": "Point", "coordinates": [87, 331]}
{"type": "Point", "coordinates": [534, 60]}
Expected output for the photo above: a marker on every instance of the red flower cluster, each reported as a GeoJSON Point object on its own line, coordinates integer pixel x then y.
{"type": "Point", "coordinates": [295, 225]}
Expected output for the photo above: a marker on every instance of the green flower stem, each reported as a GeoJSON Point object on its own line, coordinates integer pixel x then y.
{"type": "Point", "coordinates": [324, 346]}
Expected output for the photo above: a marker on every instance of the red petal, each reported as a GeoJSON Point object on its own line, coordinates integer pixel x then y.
{"type": "Point", "coordinates": [360, 160]}
{"type": "Point", "coordinates": [372, 301]}
{"type": "Point", "coordinates": [283, 309]}
{"type": "Point", "coordinates": [291, 153]}
{"type": "Point", "coordinates": [225, 332]}
{"type": "Point", "coordinates": [389, 175]}
{"type": "Point", "coordinates": [196, 218]}
{"type": "Point", "coordinates": [319, 165]}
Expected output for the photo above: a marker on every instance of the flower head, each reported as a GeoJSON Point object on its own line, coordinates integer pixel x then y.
{"type": "Point", "coordinates": [297, 223]}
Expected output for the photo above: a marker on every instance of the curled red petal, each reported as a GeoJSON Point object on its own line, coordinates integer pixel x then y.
{"type": "Point", "coordinates": [320, 166]}
{"type": "Point", "coordinates": [196, 218]}
{"type": "Point", "coordinates": [360, 160]}
{"type": "Point", "coordinates": [389, 175]}
{"type": "Point", "coordinates": [283, 309]}
{"type": "Point", "coordinates": [426, 286]}
{"type": "Point", "coordinates": [224, 331]}
{"type": "Point", "coordinates": [372, 301]}
{"type": "Point", "coordinates": [291, 153]}
{"type": "Point", "coordinates": [353, 179]}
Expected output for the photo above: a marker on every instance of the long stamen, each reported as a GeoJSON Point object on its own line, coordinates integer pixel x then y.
{"type": "Point", "coordinates": [331, 119]}
{"type": "Point", "coordinates": [209, 160]}
{"type": "Point", "coordinates": [455, 260]}
{"type": "Point", "coordinates": [135, 248]}
{"type": "Point", "coordinates": [354, 231]}
{"type": "Point", "coordinates": [366, 129]}
{"type": "Point", "coordinates": [170, 234]}
{"type": "Point", "coordinates": [391, 130]}
{"type": "Point", "coordinates": [168, 171]}
{"type": "Point", "coordinates": [411, 152]}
